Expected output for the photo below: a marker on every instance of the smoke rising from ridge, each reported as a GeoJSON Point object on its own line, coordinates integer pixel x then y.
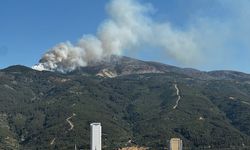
{"type": "Point", "coordinates": [129, 26]}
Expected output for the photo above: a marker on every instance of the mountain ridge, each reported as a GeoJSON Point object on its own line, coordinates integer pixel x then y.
{"type": "Point", "coordinates": [123, 65]}
{"type": "Point", "coordinates": [135, 105]}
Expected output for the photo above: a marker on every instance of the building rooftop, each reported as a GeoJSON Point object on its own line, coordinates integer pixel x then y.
{"type": "Point", "coordinates": [95, 124]}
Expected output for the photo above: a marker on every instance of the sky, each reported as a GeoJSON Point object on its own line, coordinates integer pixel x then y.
{"type": "Point", "coordinates": [204, 34]}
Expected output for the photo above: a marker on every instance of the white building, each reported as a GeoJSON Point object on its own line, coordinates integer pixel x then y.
{"type": "Point", "coordinates": [96, 136]}
{"type": "Point", "coordinates": [175, 144]}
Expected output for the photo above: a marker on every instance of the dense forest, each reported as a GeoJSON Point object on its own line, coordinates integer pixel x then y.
{"type": "Point", "coordinates": [134, 109]}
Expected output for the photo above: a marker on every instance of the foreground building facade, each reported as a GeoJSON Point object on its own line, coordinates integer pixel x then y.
{"type": "Point", "coordinates": [96, 136]}
{"type": "Point", "coordinates": [175, 144]}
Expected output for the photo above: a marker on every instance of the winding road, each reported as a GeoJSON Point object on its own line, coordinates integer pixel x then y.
{"type": "Point", "coordinates": [179, 97]}
{"type": "Point", "coordinates": [70, 123]}
{"type": "Point", "coordinates": [53, 141]}
{"type": "Point", "coordinates": [71, 128]}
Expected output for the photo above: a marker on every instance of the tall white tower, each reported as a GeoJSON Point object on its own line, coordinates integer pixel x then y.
{"type": "Point", "coordinates": [96, 136]}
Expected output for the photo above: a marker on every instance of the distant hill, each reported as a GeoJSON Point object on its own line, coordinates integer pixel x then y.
{"type": "Point", "coordinates": [133, 99]}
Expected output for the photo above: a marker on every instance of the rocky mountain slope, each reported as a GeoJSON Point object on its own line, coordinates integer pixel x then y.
{"type": "Point", "coordinates": [134, 100]}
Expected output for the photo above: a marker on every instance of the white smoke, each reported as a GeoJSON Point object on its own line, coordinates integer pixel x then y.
{"type": "Point", "coordinates": [128, 27]}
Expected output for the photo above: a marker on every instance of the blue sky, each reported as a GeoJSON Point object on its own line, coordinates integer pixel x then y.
{"type": "Point", "coordinates": [221, 28]}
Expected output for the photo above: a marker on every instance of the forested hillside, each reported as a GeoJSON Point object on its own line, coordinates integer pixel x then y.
{"type": "Point", "coordinates": [135, 107]}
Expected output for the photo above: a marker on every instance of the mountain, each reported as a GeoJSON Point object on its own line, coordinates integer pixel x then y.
{"type": "Point", "coordinates": [139, 103]}
{"type": "Point", "coordinates": [120, 66]}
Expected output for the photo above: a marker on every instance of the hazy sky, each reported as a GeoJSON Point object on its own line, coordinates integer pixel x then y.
{"type": "Point", "coordinates": [220, 30]}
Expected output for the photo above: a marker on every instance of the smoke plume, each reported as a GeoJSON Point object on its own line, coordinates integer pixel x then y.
{"type": "Point", "coordinates": [128, 27]}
